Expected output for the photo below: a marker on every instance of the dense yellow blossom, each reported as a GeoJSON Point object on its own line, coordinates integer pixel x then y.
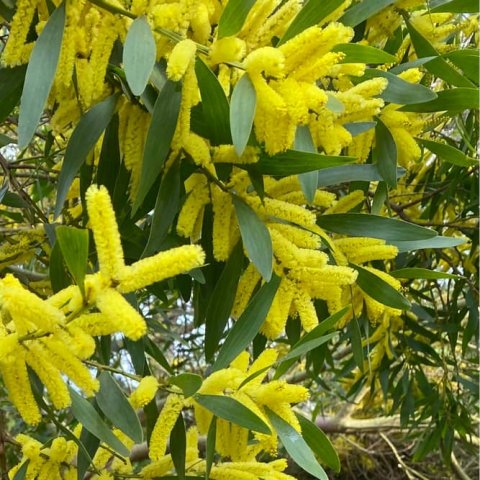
{"type": "Point", "coordinates": [145, 392]}
{"type": "Point", "coordinates": [180, 58]}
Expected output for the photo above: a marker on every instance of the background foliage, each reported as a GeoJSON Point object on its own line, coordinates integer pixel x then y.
{"type": "Point", "coordinates": [322, 154]}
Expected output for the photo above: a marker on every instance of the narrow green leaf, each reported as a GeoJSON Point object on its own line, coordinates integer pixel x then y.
{"type": "Point", "coordinates": [307, 346]}
{"type": "Point", "coordinates": [221, 301]}
{"type": "Point", "coordinates": [453, 100]}
{"type": "Point", "coordinates": [210, 450]}
{"type": "Point", "coordinates": [40, 74]}
{"type": "Point", "coordinates": [178, 446]}
{"type": "Point", "coordinates": [468, 60]}
{"type": "Point", "coordinates": [308, 180]}
{"type": "Point", "coordinates": [293, 162]}
{"type": "Point", "coordinates": [233, 17]}
{"type": "Point", "coordinates": [380, 290]}
{"type": "Point", "coordinates": [296, 446]}
{"type": "Point", "coordinates": [334, 104]}
{"type": "Point", "coordinates": [117, 409]}
{"type": "Point", "coordinates": [84, 455]}
{"type": "Point", "coordinates": [56, 269]}
{"type": "Point", "coordinates": [84, 137]}
{"type": "Point", "coordinates": [233, 411]}
{"type": "Point", "coordinates": [400, 91]}
{"type": "Point", "coordinates": [22, 471]}
{"type": "Point", "coordinates": [86, 414]}
{"type": "Point", "coordinates": [74, 245]}
{"type": "Point", "coordinates": [435, 242]}
{"type": "Point", "coordinates": [448, 153]}
{"type": "Point", "coordinates": [458, 6]}
{"type": "Point", "coordinates": [188, 382]}
{"type": "Point", "coordinates": [361, 224]}
{"type": "Point", "coordinates": [313, 12]}
{"type": "Point", "coordinates": [356, 52]}
{"type": "Point", "coordinates": [11, 86]}
{"type": "Point", "coordinates": [319, 443]}
{"type": "Point", "coordinates": [139, 54]}
{"type": "Point", "coordinates": [415, 273]}
{"type": "Point", "coordinates": [385, 154]}
{"type": "Point", "coordinates": [256, 238]}
{"type": "Point", "coordinates": [152, 349]}
{"type": "Point", "coordinates": [356, 128]}
{"type": "Point", "coordinates": [242, 111]}
{"type": "Point", "coordinates": [167, 206]}
{"type": "Point", "coordinates": [363, 10]}
{"type": "Point", "coordinates": [109, 162]}
{"type": "Point", "coordinates": [159, 137]}
{"type": "Point", "coordinates": [248, 325]}
{"type": "Point", "coordinates": [215, 107]}
{"type": "Point", "coordinates": [352, 173]}
{"type": "Point", "coordinates": [381, 194]}
{"type": "Point", "coordinates": [438, 66]}
{"type": "Point", "coordinates": [355, 336]}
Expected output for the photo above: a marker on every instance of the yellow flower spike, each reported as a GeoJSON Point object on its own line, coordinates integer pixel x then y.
{"type": "Point", "coordinates": [161, 266]}
{"type": "Point", "coordinates": [112, 304]}
{"type": "Point", "coordinates": [164, 424]}
{"type": "Point", "coordinates": [8, 345]}
{"type": "Point", "coordinates": [306, 310]}
{"type": "Point", "coordinates": [17, 383]}
{"type": "Point", "coordinates": [180, 58]}
{"type": "Point", "coordinates": [95, 324]}
{"type": "Point", "coordinates": [200, 23]}
{"type": "Point", "coordinates": [346, 203]}
{"type": "Point", "coordinates": [192, 209]}
{"type": "Point", "coordinates": [227, 49]}
{"type": "Point", "coordinates": [266, 359]}
{"type": "Point", "coordinates": [277, 392]}
{"type": "Point", "coordinates": [145, 392]}
{"type": "Point", "coordinates": [246, 286]}
{"type": "Point", "coordinates": [197, 148]}
{"type": "Point", "coordinates": [227, 154]}
{"type": "Point", "coordinates": [299, 237]}
{"type": "Point", "coordinates": [39, 361]}
{"type": "Point", "coordinates": [105, 231]}
{"type": "Point", "coordinates": [230, 474]}
{"type": "Point", "coordinates": [70, 365]}
{"type": "Point", "coordinates": [241, 362]}
{"type": "Point", "coordinates": [267, 60]}
{"type": "Point", "coordinates": [28, 311]}
{"type": "Point", "coordinates": [16, 52]}
{"type": "Point", "coordinates": [291, 213]}
{"type": "Point", "coordinates": [277, 316]}
{"type": "Point", "coordinates": [256, 17]}
{"type": "Point", "coordinates": [364, 249]}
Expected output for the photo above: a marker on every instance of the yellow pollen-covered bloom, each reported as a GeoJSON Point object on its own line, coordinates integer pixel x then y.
{"type": "Point", "coordinates": [227, 154]}
{"type": "Point", "coordinates": [363, 249]}
{"type": "Point", "coordinates": [105, 231]}
{"type": "Point", "coordinates": [180, 58]}
{"type": "Point", "coordinates": [145, 392]}
{"type": "Point", "coordinates": [227, 49]}
{"type": "Point", "coordinates": [346, 203]}
{"type": "Point", "coordinates": [164, 424]}
{"type": "Point", "coordinates": [267, 60]}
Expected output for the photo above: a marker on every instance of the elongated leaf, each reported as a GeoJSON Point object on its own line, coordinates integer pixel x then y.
{"type": "Point", "coordinates": [248, 325]}
{"type": "Point", "coordinates": [311, 14]}
{"type": "Point", "coordinates": [467, 60]}
{"type": "Point", "coordinates": [85, 455]}
{"type": "Point", "coordinates": [84, 138]}
{"type": "Point", "coordinates": [233, 17]}
{"type": "Point", "coordinates": [352, 173]}
{"type": "Point", "coordinates": [355, 336]}
{"type": "Point", "coordinates": [167, 206]}
{"type": "Point", "coordinates": [117, 409]}
{"type": "Point", "coordinates": [293, 162]}
{"type": "Point", "coordinates": [215, 107]}
{"type": "Point", "coordinates": [139, 54]}
{"type": "Point", "coordinates": [86, 414]}
{"type": "Point", "coordinates": [40, 74]}
{"type": "Point", "coordinates": [210, 450]}
{"type": "Point", "coordinates": [356, 128]}
{"type": "Point", "coordinates": [233, 411]}
{"type": "Point", "coordinates": [74, 245]}
{"type": "Point", "coordinates": [360, 224]}
{"type": "Point", "coordinates": [434, 242]}
{"type": "Point", "coordinates": [296, 446]}
{"type": "Point", "coordinates": [438, 66]}
{"type": "Point", "coordinates": [457, 6]}
{"type": "Point", "coordinates": [159, 137]}
{"type": "Point", "coordinates": [11, 86]}
{"type": "Point", "coordinates": [22, 471]}
{"type": "Point", "coordinates": [385, 154]}
{"type": "Point", "coordinates": [308, 180]}
{"type": "Point", "coordinates": [178, 446]}
{"type": "Point", "coordinates": [448, 153]}
{"type": "Point", "coordinates": [109, 163]}
{"type": "Point", "coordinates": [242, 112]}
{"type": "Point", "coordinates": [415, 273]}
{"type": "Point", "coordinates": [399, 91]}
{"type": "Point", "coordinates": [221, 301]}
{"type": "Point", "coordinates": [188, 382]}
{"type": "Point", "coordinates": [356, 52]}
{"type": "Point", "coordinates": [453, 100]}
{"type": "Point", "coordinates": [307, 346]}
{"type": "Point", "coordinates": [319, 443]}
{"type": "Point", "coordinates": [256, 238]}
{"type": "Point", "coordinates": [334, 104]}
{"type": "Point", "coordinates": [380, 290]}
{"type": "Point", "coordinates": [363, 10]}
